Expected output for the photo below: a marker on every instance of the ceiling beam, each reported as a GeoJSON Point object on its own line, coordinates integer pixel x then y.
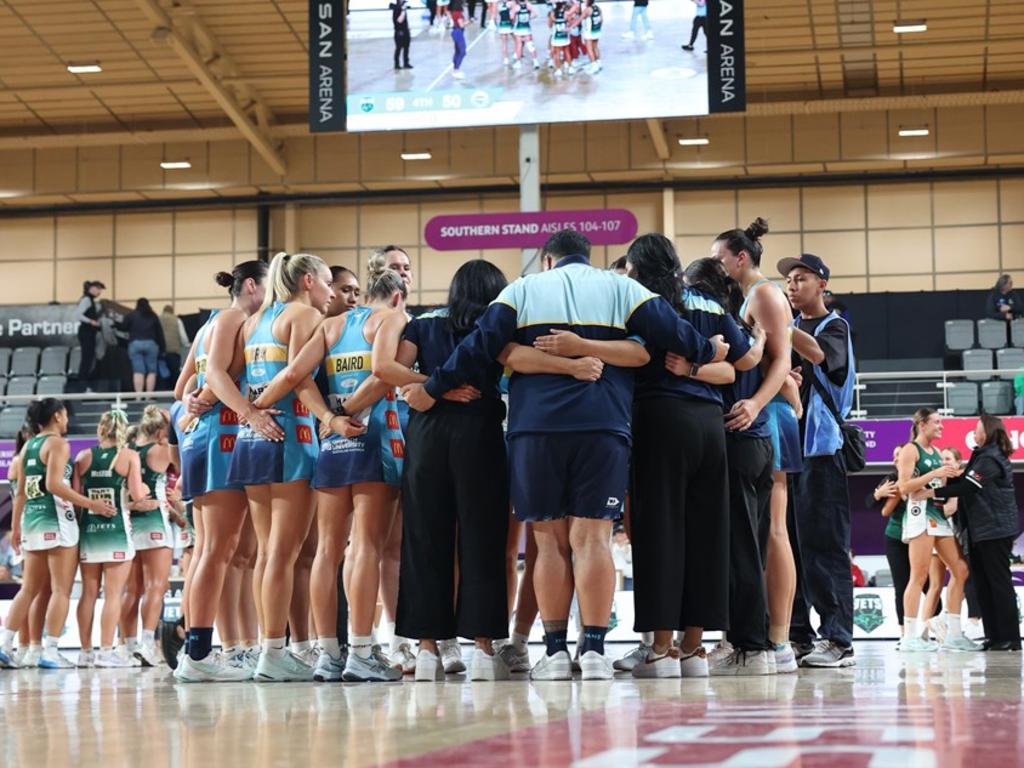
{"type": "Point", "coordinates": [657, 131]}
{"type": "Point", "coordinates": [159, 136]}
{"type": "Point", "coordinates": [942, 48]}
{"type": "Point", "coordinates": [227, 96]}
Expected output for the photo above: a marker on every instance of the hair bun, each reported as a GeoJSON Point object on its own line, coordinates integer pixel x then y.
{"type": "Point", "coordinates": [757, 228]}
{"type": "Point", "coordinates": [224, 279]}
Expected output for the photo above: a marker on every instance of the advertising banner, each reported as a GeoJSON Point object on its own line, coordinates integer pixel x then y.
{"type": "Point", "coordinates": [326, 66]}
{"type": "Point", "coordinates": [883, 435]}
{"type": "Point", "coordinates": [7, 452]}
{"type": "Point", "coordinates": [612, 226]}
{"type": "Point", "coordinates": [38, 325]}
{"type": "Point", "coordinates": [727, 69]}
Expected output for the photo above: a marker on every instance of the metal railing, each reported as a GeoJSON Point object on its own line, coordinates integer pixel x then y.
{"type": "Point", "coordinates": [118, 398]}
{"type": "Point", "coordinates": [943, 381]}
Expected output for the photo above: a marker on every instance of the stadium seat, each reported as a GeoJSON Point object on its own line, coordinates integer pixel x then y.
{"type": "Point", "coordinates": [883, 578]}
{"type": "Point", "coordinates": [75, 359]}
{"type": "Point", "coordinates": [1009, 359]}
{"type": "Point", "coordinates": [21, 385]}
{"type": "Point", "coordinates": [978, 360]}
{"type": "Point", "coordinates": [963, 398]}
{"type": "Point", "coordinates": [1017, 333]}
{"type": "Point", "coordinates": [3, 385]}
{"type": "Point", "coordinates": [51, 385]}
{"type": "Point", "coordinates": [24, 361]}
{"type": "Point", "coordinates": [11, 419]}
{"type": "Point", "coordinates": [959, 335]}
{"type": "Point", "coordinates": [997, 397]}
{"type": "Point", "coordinates": [991, 334]}
{"type": "Point", "coordinates": [5, 360]}
{"type": "Point", "coordinates": [54, 361]}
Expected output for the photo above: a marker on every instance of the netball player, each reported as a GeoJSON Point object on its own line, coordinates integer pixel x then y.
{"type": "Point", "coordinates": [491, 15]}
{"type": "Point", "coordinates": [593, 20]}
{"type": "Point", "coordinates": [44, 525]}
{"type": "Point", "coordinates": [220, 507]}
{"type": "Point", "coordinates": [568, 440]}
{"type": "Point", "coordinates": [345, 285]}
{"type": "Point", "coordinates": [357, 474]}
{"type": "Point", "coordinates": [444, 20]}
{"type": "Point", "coordinates": [559, 44]}
{"type": "Point", "coordinates": [765, 305]}
{"type": "Point", "coordinates": [106, 547]}
{"type": "Point", "coordinates": [679, 513]}
{"type": "Point", "coordinates": [276, 470]}
{"type": "Point", "coordinates": [152, 538]}
{"type": "Point", "coordinates": [926, 527]}
{"type": "Point", "coordinates": [524, 14]}
{"type": "Point", "coordinates": [505, 11]}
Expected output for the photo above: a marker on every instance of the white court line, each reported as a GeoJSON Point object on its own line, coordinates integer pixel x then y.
{"type": "Point", "coordinates": [450, 67]}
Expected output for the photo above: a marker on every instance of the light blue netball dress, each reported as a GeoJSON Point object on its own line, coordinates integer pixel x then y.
{"type": "Point", "coordinates": [782, 422]}
{"type": "Point", "coordinates": [256, 460]}
{"type": "Point", "coordinates": [376, 455]}
{"type": "Point", "coordinates": [206, 446]}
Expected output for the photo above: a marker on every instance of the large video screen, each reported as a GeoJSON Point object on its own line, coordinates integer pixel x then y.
{"type": "Point", "coordinates": [416, 64]}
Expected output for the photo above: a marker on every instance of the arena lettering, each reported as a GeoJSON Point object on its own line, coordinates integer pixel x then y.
{"type": "Point", "coordinates": [18, 327]}
{"type": "Point", "coordinates": [325, 50]}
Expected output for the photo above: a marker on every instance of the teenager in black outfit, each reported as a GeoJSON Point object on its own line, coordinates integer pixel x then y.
{"type": "Point", "coordinates": [400, 20]}
{"type": "Point", "coordinates": [88, 316]}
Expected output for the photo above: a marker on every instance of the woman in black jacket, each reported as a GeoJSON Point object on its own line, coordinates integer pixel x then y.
{"type": "Point", "coordinates": [988, 511]}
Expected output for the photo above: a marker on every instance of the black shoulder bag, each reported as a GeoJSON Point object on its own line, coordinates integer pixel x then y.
{"type": "Point", "coordinates": [854, 444]}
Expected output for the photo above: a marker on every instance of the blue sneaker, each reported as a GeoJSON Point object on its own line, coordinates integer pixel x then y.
{"type": "Point", "coordinates": [7, 659]}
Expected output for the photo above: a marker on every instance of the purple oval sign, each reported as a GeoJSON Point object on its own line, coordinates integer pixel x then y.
{"type": "Point", "coordinates": [471, 231]}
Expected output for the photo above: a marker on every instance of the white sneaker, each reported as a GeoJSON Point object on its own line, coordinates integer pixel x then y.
{"type": "Point", "coordinates": [536, 64]}
{"type": "Point", "coordinates": [648, 35]}
{"type": "Point", "coordinates": [402, 658]}
{"type": "Point", "coordinates": [742, 663]}
{"type": "Point", "coordinates": [693, 664]}
{"type": "Point", "coordinates": [308, 656]}
{"type": "Point", "coordinates": [653, 665]}
{"type": "Point", "coordinates": [328, 669]}
{"type": "Point", "coordinates": [504, 62]}
{"type": "Point", "coordinates": [54, 659]}
{"type": "Point", "coordinates": [723, 648]}
{"type": "Point", "coordinates": [30, 658]}
{"type": "Point", "coordinates": [596, 666]}
{"type": "Point", "coordinates": [632, 658]}
{"type": "Point", "coordinates": [146, 655]}
{"type": "Point", "coordinates": [451, 656]}
{"type": "Point", "coordinates": [558, 73]}
{"type": "Point", "coordinates": [112, 660]}
{"type": "Point", "coordinates": [557, 667]}
{"type": "Point", "coordinates": [785, 660]}
{"type": "Point", "coordinates": [937, 626]}
{"type": "Point", "coordinates": [428, 668]}
{"type": "Point", "coordinates": [8, 658]}
{"type": "Point", "coordinates": [518, 65]}
{"type": "Point", "coordinates": [487, 668]}
{"type": "Point", "coordinates": [282, 668]}
{"type": "Point", "coordinates": [628, 36]}
{"type": "Point", "coordinates": [128, 654]}
{"type": "Point", "coordinates": [209, 670]}
{"type": "Point", "coordinates": [86, 659]}
{"type": "Point", "coordinates": [371, 670]}
{"type": "Point", "coordinates": [514, 660]}
{"type": "Point", "coordinates": [458, 74]}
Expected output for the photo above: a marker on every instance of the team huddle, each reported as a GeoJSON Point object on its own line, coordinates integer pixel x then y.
{"type": "Point", "coordinates": [377, 448]}
{"type": "Point", "coordinates": [575, 33]}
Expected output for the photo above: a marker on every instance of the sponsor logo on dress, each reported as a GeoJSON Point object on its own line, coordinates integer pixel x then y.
{"type": "Point", "coordinates": [228, 417]}
{"type": "Point", "coordinates": [299, 409]}
{"type": "Point", "coordinates": [392, 420]}
{"type": "Point", "coordinates": [613, 502]}
{"type": "Point", "coordinates": [156, 536]}
{"type": "Point", "coordinates": [398, 448]}
{"type": "Point", "coordinates": [49, 536]}
{"type": "Point", "coordinates": [867, 612]}
{"type": "Point", "coordinates": [227, 443]}
{"type": "Point", "coordinates": [304, 434]}
{"type": "Point", "coordinates": [119, 556]}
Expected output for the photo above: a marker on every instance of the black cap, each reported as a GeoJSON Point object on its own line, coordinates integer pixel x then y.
{"type": "Point", "coordinates": [93, 284]}
{"type": "Point", "coordinates": [807, 261]}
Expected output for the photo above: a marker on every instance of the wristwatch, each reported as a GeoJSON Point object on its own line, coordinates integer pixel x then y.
{"type": "Point", "coordinates": [694, 370]}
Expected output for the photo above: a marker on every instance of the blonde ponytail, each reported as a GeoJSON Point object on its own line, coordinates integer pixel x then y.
{"type": "Point", "coordinates": [114, 426]}
{"type": "Point", "coordinates": [286, 270]}
{"type": "Point", "coordinates": [153, 420]}
{"type": "Point", "coordinates": [383, 282]}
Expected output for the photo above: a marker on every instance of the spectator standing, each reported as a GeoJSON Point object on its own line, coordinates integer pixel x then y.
{"type": "Point", "coordinates": [88, 316]}
{"type": "Point", "coordinates": [400, 21]}
{"type": "Point", "coordinates": [1003, 303]}
{"type": "Point", "coordinates": [639, 14]}
{"type": "Point", "coordinates": [700, 22]}
{"type": "Point", "coordinates": [175, 341]}
{"type": "Point", "coordinates": [145, 344]}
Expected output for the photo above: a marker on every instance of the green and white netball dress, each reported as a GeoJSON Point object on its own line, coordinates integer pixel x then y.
{"type": "Point", "coordinates": [105, 539]}
{"type": "Point", "coordinates": [152, 530]}
{"type": "Point", "coordinates": [48, 521]}
{"type": "Point", "coordinates": [926, 515]}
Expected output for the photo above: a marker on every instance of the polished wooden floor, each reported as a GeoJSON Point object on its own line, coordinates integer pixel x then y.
{"type": "Point", "coordinates": [890, 711]}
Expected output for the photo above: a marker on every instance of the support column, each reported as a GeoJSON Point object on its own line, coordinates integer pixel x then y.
{"type": "Point", "coordinates": [529, 186]}
{"type": "Point", "coordinates": [291, 228]}
{"type": "Point", "coordinates": [668, 213]}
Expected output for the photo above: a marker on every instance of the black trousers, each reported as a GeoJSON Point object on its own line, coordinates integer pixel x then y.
{"type": "Point", "coordinates": [990, 569]}
{"type": "Point", "coordinates": [699, 23]}
{"type": "Point", "coordinates": [87, 340]}
{"type": "Point", "coordinates": [454, 488]}
{"type": "Point", "coordinates": [402, 40]}
{"type": "Point", "coordinates": [898, 555]}
{"type": "Point", "coordinates": [822, 508]}
{"type": "Point", "coordinates": [472, 9]}
{"type": "Point", "coordinates": [750, 492]}
{"type": "Point", "coordinates": [679, 515]}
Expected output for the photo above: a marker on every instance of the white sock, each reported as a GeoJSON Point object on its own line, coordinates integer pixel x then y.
{"type": "Point", "coordinates": [331, 647]}
{"type": "Point", "coordinates": [520, 642]}
{"type": "Point", "coordinates": [647, 638]}
{"type": "Point", "coordinates": [273, 646]}
{"type": "Point", "coordinates": [35, 646]}
{"type": "Point", "coordinates": [132, 644]}
{"type": "Point", "coordinates": [362, 645]}
{"type": "Point", "coordinates": [6, 638]}
{"type": "Point", "coordinates": [50, 643]}
{"type": "Point", "coordinates": [229, 650]}
{"type": "Point", "coordinates": [109, 649]}
{"type": "Point", "coordinates": [953, 624]}
{"type": "Point", "coordinates": [911, 628]}
{"type": "Point", "coordinates": [301, 646]}
{"type": "Point", "coordinates": [148, 637]}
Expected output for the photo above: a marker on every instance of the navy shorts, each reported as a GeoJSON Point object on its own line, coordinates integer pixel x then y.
{"type": "Point", "coordinates": [568, 474]}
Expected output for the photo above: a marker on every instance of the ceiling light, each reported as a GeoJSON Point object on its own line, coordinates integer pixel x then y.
{"type": "Point", "coordinates": [175, 165]}
{"type": "Point", "coordinates": [416, 155]}
{"type": "Point", "coordinates": [698, 142]}
{"type": "Point", "coordinates": [906, 27]}
{"type": "Point", "coordinates": [908, 132]}
{"type": "Point", "coordinates": [85, 69]}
